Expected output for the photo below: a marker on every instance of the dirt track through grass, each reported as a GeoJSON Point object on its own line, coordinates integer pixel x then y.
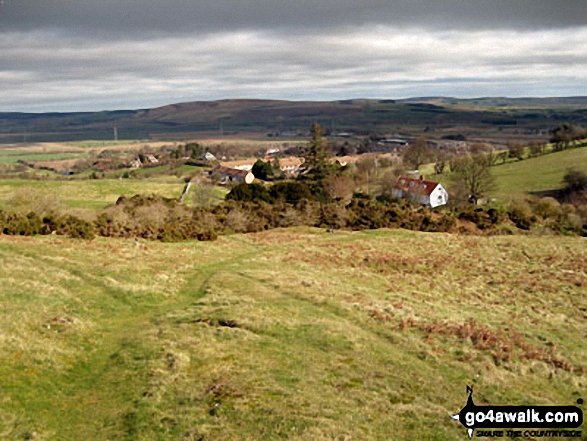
{"type": "Point", "coordinates": [289, 334]}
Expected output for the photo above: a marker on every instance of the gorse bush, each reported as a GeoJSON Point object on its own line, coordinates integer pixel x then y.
{"type": "Point", "coordinates": [32, 224]}
{"type": "Point", "coordinates": [255, 208]}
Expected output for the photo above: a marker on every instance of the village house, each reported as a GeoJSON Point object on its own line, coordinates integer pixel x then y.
{"type": "Point", "coordinates": [243, 164]}
{"type": "Point", "coordinates": [152, 159]}
{"type": "Point", "coordinates": [209, 157]}
{"type": "Point", "coordinates": [291, 165]}
{"type": "Point", "coordinates": [229, 175]}
{"type": "Point", "coordinates": [418, 190]}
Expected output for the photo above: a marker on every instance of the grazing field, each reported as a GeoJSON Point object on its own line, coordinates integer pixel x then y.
{"type": "Point", "coordinates": [289, 334]}
{"type": "Point", "coordinates": [86, 193]}
{"type": "Point", "coordinates": [543, 173]}
{"type": "Point", "coordinates": [13, 158]}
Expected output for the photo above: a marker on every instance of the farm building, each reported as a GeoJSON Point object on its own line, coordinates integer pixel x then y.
{"type": "Point", "coordinates": [420, 191]}
{"type": "Point", "coordinates": [152, 159]}
{"type": "Point", "coordinates": [228, 175]}
{"type": "Point", "coordinates": [291, 165]}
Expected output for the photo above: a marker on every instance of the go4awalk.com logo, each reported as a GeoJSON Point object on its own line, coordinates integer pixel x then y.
{"type": "Point", "coordinates": [542, 419]}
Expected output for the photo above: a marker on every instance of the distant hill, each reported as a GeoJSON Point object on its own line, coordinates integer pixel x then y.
{"type": "Point", "coordinates": [274, 117]}
{"type": "Point", "coordinates": [553, 102]}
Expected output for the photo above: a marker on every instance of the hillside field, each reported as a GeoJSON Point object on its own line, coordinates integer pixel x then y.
{"type": "Point", "coordinates": [86, 193]}
{"type": "Point", "coordinates": [544, 173]}
{"type": "Point", "coordinates": [288, 334]}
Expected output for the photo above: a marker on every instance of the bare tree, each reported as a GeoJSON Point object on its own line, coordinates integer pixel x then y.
{"type": "Point", "coordinates": [515, 150]}
{"type": "Point", "coordinates": [418, 153]}
{"type": "Point", "coordinates": [339, 187]}
{"type": "Point", "coordinates": [475, 174]}
{"type": "Point", "coordinates": [367, 169]}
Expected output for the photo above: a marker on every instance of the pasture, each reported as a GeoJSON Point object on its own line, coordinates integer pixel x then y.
{"type": "Point", "coordinates": [289, 334]}
{"type": "Point", "coordinates": [86, 193]}
{"type": "Point", "coordinates": [518, 179]}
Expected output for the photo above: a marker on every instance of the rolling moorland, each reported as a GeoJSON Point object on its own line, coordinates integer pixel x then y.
{"type": "Point", "coordinates": [484, 117]}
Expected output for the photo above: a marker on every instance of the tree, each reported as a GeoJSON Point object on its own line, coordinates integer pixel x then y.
{"type": "Point", "coordinates": [366, 170]}
{"type": "Point", "coordinates": [536, 148]}
{"type": "Point", "coordinates": [562, 136]}
{"type": "Point", "coordinates": [276, 165]}
{"type": "Point", "coordinates": [480, 147]}
{"type": "Point", "coordinates": [439, 166]}
{"type": "Point", "coordinates": [339, 187]}
{"type": "Point", "coordinates": [474, 173]}
{"type": "Point", "coordinates": [515, 150]}
{"type": "Point", "coordinates": [262, 170]}
{"type": "Point", "coordinates": [441, 162]}
{"type": "Point", "coordinates": [316, 155]}
{"type": "Point", "coordinates": [418, 153]}
{"type": "Point", "coordinates": [500, 157]}
{"type": "Point", "coordinates": [194, 150]}
{"type": "Point", "coordinates": [575, 180]}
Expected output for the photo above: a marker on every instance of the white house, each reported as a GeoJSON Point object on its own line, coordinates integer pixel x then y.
{"type": "Point", "coordinates": [420, 191]}
{"type": "Point", "coordinates": [209, 157]}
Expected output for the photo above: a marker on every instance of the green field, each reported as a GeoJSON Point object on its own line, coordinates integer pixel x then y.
{"type": "Point", "coordinates": [289, 334]}
{"type": "Point", "coordinates": [13, 157]}
{"type": "Point", "coordinates": [516, 179]}
{"type": "Point", "coordinates": [89, 194]}
{"type": "Point", "coordinates": [102, 144]}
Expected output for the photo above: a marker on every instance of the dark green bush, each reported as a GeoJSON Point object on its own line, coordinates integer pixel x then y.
{"type": "Point", "coordinates": [291, 192]}
{"type": "Point", "coordinates": [249, 193]}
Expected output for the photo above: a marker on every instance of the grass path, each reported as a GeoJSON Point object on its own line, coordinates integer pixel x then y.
{"type": "Point", "coordinates": [289, 334]}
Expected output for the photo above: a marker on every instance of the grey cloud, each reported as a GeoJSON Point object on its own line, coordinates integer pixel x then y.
{"type": "Point", "coordinates": [49, 71]}
{"type": "Point", "coordinates": [139, 18]}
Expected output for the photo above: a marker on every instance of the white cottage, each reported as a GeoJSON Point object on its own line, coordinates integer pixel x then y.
{"type": "Point", "coordinates": [420, 191]}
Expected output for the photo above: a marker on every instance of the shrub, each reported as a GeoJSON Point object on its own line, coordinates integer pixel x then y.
{"type": "Point", "coordinates": [290, 191]}
{"type": "Point", "coordinates": [482, 219]}
{"type": "Point", "coordinates": [575, 180]}
{"type": "Point", "coordinates": [249, 193]}
{"type": "Point", "coordinates": [78, 228]}
{"type": "Point", "coordinates": [521, 215]}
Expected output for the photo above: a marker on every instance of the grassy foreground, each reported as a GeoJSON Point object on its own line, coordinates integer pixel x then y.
{"type": "Point", "coordinates": [289, 334]}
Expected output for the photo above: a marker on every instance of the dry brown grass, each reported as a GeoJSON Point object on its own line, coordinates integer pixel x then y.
{"type": "Point", "coordinates": [292, 334]}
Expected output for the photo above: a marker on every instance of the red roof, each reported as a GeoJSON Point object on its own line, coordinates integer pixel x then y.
{"type": "Point", "coordinates": [412, 185]}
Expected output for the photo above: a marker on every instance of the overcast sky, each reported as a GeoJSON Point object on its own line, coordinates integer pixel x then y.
{"type": "Point", "coordinates": [79, 55]}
